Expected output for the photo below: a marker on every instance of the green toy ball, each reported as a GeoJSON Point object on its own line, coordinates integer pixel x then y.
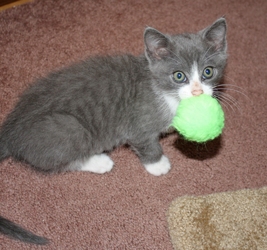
{"type": "Point", "coordinates": [199, 118]}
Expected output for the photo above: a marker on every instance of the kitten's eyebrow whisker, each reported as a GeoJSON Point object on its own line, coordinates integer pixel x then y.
{"type": "Point", "coordinates": [207, 51]}
{"type": "Point", "coordinates": [178, 62]}
{"type": "Point", "coordinates": [174, 60]}
{"type": "Point", "coordinates": [212, 55]}
{"type": "Point", "coordinates": [172, 53]}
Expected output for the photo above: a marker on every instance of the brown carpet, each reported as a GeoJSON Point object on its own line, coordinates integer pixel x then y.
{"type": "Point", "coordinates": [126, 209]}
{"type": "Point", "coordinates": [230, 220]}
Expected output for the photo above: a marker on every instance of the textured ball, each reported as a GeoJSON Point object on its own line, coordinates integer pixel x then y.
{"type": "Point", "coordinates": [199, 118]}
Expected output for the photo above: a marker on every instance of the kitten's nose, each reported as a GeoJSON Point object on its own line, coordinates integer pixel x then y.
{"type": "Point", "coordinates": [197, 92]}
{"type": "Point", "coordinates": [196, 89]}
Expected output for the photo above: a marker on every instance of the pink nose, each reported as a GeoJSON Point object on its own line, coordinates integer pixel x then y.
{"type": "Point", "coordinates": [197, 92]}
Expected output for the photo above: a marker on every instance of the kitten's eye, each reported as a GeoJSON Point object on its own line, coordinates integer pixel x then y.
{"type": "Point", "coordinates": [207, 73]}
{"type": "Point", "coordinates": [179, 77]}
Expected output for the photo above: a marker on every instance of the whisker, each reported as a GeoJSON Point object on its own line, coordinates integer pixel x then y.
{"type": "Point", "coordinates": [223, 100]}
{"type": "Point", "coordinates": [174, 60]}
{"type": "Point", "coordinates": [228, 99]}
{"type": "Point", "coordinates": [230, 89]}
{"type": "Point", "coordinates": [172, 53]}
{"type": "Point", "coordinates": [228, 84]}
{"type": "Point", "coordinates": [179, 57]}
{"type": "Point", "coordinates": [232, 100]}
{"type": "Point", "coordinates": [210, 56]}
{"type": "Point", "coordinates": [223, 103]}
{"type": "Point", "coordinates": [207, 51]}
{"type": "Point", "coordinates": [226, 104]}
{"type": "Point", "coordinates": [233, 85]}
{"type": "Point", "coordinates": [231, 79]}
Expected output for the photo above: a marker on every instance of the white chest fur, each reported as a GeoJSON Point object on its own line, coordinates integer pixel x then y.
{"type": "Point", "coordinates": [172, 103]}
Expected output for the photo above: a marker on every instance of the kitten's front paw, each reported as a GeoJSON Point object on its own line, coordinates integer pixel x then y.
{"type": "Point", "coordinates": [159, 168]}
{"type": "Point", "coordinates": [98, 164]}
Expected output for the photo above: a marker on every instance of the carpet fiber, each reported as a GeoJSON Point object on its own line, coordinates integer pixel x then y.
{"type": "Point", "coordinates": [230, 220]}
{"type": "Point", "coordinates": [126, 208]}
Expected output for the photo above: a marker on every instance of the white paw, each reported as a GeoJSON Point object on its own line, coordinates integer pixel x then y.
{"type": "Point", "coordinates": [158, 168]}
{"type": "Point", "coordinates": [98, 164]}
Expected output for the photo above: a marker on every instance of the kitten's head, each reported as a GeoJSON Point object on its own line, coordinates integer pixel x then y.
{"type": "Point", "coordinates": [187, 65]}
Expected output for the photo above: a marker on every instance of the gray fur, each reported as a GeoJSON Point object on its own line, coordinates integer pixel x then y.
{"type": "Point", "coordinates": [103, 102]}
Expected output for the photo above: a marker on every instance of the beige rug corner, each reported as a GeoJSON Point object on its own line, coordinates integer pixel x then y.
{"type": "Point", "coordinates": [223, 221]}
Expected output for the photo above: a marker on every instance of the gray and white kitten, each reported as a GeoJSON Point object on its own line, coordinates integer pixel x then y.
{"type": "Point", "coordinates": [70, 119]}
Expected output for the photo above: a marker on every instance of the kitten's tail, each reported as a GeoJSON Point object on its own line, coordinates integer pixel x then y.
{"type": "Point", "coordinates": [3, 149]}
{"type": "Point", "coordinates": [14, 231]}
{"type": "Point", "coordinates": [8, 227]}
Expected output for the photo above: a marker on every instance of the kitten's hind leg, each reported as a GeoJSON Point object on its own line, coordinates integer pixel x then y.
{"type": "Point", "coordinates": [98, 164]}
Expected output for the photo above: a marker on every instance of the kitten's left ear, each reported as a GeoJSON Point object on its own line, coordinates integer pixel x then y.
{"type": "Point", "coordinates": [157, 45]}
{"type": "Point", "coordinates": [215, 34]}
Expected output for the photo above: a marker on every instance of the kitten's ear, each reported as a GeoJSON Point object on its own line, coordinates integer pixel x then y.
{"type": "Point", "coordinates": [215, 34]}
{"type": "Point", "coordinates": [157, 45]}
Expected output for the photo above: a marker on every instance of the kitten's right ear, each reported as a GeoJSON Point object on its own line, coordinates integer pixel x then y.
{"type": "Point", "coordinates": [157, 45]}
